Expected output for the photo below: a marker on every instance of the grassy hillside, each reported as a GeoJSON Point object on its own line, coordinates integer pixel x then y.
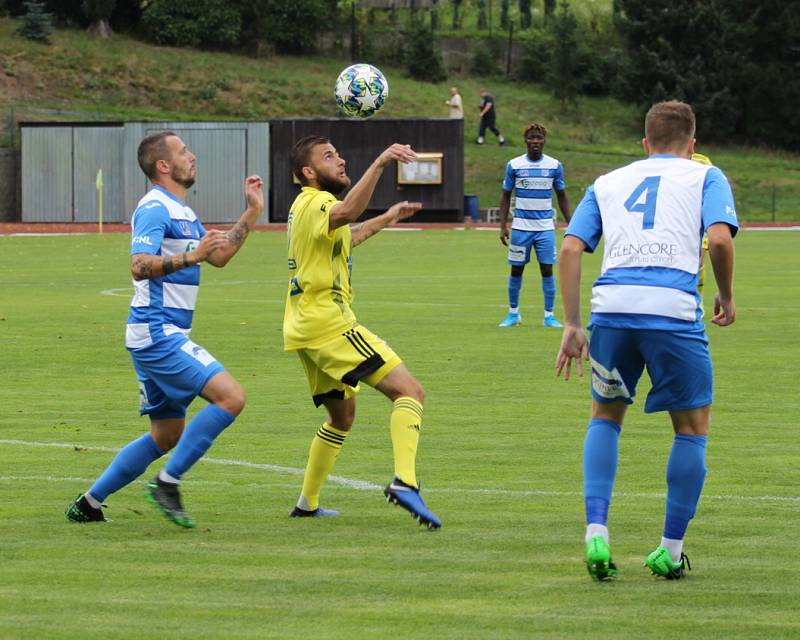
{"type": "Point", "coordinates": [81, 77]}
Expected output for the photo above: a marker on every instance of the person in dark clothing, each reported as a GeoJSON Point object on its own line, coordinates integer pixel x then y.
{"type": "Point", "coordinates": [488, 118]}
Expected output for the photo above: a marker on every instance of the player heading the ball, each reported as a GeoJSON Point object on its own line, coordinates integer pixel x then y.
{"type": "Point", "coordinates": [336, 352]}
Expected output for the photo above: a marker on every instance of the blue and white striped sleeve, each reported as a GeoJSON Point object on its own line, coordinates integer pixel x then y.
{"type": "Point", "coordinates": [150, 223]}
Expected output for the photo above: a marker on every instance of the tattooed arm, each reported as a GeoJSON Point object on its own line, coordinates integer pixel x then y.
{"type": "Point", "coordinates": [147, 265]}
{"type": "Point", "coordinates": [246, 223]}
{"type": "Point", "coordinates": [400, 211]}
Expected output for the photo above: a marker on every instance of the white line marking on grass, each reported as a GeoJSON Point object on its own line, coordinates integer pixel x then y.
{"type": "Point", "coordinates": [363, 485]}
{"type": "Point", "coordinates": [359, 485]}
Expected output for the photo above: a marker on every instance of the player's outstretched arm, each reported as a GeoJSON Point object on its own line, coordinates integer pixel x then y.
{"type": "Point", "coordinates": [348, 210]}
{"type": "Point", "coordinates": [574, 344]}
{"type": "Point", "coordinates": [720, 252]}
{"type": "Point", "coordinates": [237, 234]}
{"type": "Point", "coordinates": [399, 211]}
{"type": "Point", "coordinates": [146, 265]}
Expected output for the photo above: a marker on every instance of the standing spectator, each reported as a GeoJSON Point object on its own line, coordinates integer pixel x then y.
{"type": "Point", "coordinates": [456, 107]}
{"type": "Point", "coordinates": [488, 117]}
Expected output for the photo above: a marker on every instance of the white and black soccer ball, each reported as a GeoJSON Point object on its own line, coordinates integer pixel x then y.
{"type": "Point", "coordinates": [361, 90]}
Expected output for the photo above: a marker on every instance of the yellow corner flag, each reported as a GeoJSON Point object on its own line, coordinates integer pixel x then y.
{"type": "Point", "coordinates": [99, 186]}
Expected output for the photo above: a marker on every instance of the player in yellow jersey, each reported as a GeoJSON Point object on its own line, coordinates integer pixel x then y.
{"type": "Point", "coordinates": [701, 274]}
{"type": "Point", "coordinates": [336, 352]}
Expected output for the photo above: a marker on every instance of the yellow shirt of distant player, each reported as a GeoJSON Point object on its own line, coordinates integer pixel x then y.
{"type": "Point", "coordinates": [319, 296]}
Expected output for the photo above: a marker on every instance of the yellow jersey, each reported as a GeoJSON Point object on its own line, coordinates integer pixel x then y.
{"type": "Point", "coordinates": [319, 295]}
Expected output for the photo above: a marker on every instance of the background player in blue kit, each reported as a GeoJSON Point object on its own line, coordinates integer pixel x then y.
{"type": "Point", "coordinates": [533, 177]}
{"type": "Point", "coordinates": [168, 243]}
{"type": "Point", "coordinates": [646, 312]}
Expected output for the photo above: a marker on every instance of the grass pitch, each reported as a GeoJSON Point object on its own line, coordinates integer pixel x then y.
{"type": "Point", "coordinates": [500, 463]}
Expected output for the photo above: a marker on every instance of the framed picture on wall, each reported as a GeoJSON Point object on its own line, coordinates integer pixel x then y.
{"type": "Point", "coordinates": [426, 169]}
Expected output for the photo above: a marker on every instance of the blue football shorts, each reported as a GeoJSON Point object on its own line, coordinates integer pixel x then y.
{"type": "Point", "coordinates": [678, 363]}
{"type": "Point", "coordinates": [521, 243]}
{"type": "Point", "coordinates": [172, 372]}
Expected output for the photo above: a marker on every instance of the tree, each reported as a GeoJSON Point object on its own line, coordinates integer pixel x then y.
{"type": "Point", "coordinates": [36, 24]}
{"type": "Point", "coordinates": [692, 50]}
{"type": "Point", "coordinates": [525, 18]}
{"type": "Point", "coordinates": [482, 23]}
{"type": "Point", "coordinates": [504, 9]}
{"type": "Point", "coordinates": [456, 13]}
{"type": "Point", "coordinates": [567, 53]}
{"type": "Point", "coordinates": [549, 8]}
{"type": "Point", "coordinates": [99, 13]}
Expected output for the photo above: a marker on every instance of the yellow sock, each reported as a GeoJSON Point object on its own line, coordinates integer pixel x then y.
{"type": "Point", "coordinates": [325, 447]}
{"type": "Point", "coordinates": [404, 426]}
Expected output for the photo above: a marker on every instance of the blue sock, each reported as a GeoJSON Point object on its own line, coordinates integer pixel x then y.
{"type": "Point", "coordinates": [131, 462]}
{"type": "Point", "coordinates": [549, 290]}
{"type": "Point", "coordinates": [514, 286]}
{"type": "Point", "coordinates": [197, 438]}
{"type": "Point", "coordinates": [600, 453]}
{"type": "Point", "coordinates": [686, 472]}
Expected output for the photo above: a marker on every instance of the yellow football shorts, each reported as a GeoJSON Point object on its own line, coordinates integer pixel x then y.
{"type": "Point", "coordinates": [334, 369]}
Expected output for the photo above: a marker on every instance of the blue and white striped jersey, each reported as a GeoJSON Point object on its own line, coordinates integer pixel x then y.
{"type": "Point", "coordinates": [533, 182]}
{"type": "Point", "coordinates": [653, 214]}
{"type": "Point", "coordinates": [162, 225]}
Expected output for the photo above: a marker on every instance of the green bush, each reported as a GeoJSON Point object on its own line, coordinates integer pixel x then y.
{"type": "Point", "coordinates": [202, 23]}
{"type": "Point", "coordinates": [485, 57]}
{"type": "Point", "coordinates": [423, 58]}
{"type": "Point", "coordinates": [292, 27]}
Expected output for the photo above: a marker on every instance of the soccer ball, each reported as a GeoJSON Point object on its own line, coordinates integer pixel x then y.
{"type": "Point", "coordinates": [361, 90]}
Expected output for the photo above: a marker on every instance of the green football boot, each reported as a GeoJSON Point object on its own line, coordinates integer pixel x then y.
{"type": "Point", "coordinates": [598, 559]}
{"type": "Point", "coordinates": [661, 564]}
{"type": "Point", "coordinates": [166, 497]}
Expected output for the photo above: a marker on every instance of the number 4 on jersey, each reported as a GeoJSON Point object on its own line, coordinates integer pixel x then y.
{"type": "Point", "coordinates": [649, 188]}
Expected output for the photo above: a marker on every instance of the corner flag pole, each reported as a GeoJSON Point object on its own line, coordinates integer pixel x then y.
{"type": "Point", "coordinates": [99, 187]}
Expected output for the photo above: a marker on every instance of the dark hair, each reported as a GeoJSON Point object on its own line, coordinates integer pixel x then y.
{"type": "Point", "coordinates": [535, 127]}
{"type": "Point", "coordinates": [152, 149]}
{"type": "Point", "coordinates": [301, 154]}
{"type": "Point", "coordinates": [669, 124]}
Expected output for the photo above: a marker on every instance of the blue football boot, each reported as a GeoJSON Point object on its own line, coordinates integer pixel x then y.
{"type": "Point", "coordinates": [550, 321]}
{"type": "Point", "coordinates": [511, 320]}
{"type": "Point", "coordinates": [406, 496]}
